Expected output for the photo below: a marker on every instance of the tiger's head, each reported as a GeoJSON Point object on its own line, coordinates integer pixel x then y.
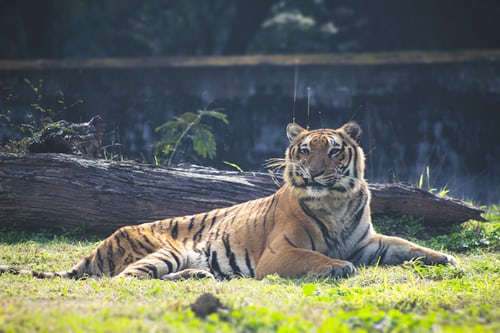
{"type": "Point", "coordinates": [324, 160]}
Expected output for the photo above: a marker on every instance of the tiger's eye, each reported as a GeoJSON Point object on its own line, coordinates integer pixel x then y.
{"type": "Point", "coordinates": [304, 151]}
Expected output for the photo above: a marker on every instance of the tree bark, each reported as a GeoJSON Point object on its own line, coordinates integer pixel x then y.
{"type": "Point", "coordinates": [57, 191]}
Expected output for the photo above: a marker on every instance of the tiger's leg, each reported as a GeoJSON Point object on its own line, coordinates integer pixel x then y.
{"type": "Point", "coordinates": [296, 262]}
{"type": "Point", "coordinates": [157, 264]}
{"type": "Point", "coordinates": [388, 250]}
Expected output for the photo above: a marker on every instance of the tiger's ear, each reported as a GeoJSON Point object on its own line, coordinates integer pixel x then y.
{"type": "Point", "coordinates": [293, 130]}
{"type": "Point", "coordinates": [353, 130]}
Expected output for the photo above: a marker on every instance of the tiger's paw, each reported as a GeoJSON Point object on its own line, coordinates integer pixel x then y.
{"type": "Point", "coordinates": [341, 269]}
{"type": "Point", "coordinates": [189, 273]}
{"type": "Point", "coordinates": [448, 259]}
{"type": "Point", "coordinates": [437, 258]}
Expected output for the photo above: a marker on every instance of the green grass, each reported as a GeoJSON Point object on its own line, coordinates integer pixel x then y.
{"type": "Point", "coordinates": [408, 298]}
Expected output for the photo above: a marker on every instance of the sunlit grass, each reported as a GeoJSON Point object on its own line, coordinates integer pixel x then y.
{"type": "Point", "coordinates": [408, 298]}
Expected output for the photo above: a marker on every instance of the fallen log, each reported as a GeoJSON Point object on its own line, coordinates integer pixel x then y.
{"type": "Point", "coordinates": [58, 191]}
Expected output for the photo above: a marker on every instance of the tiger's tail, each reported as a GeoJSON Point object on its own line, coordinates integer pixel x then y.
{"type": "Point", "coordinates": [76, 272]}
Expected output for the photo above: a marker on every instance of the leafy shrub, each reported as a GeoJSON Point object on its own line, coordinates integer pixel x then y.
{"type": "Point", "coordinates": [464, 237]}
{"type": "Point", "coordinates": [40, 112]}
{"type": "Point", "coordinates": [188, 127]}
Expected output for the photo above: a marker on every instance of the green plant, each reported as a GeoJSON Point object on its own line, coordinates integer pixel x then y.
{"type": "Point", "coordinates": [38, 115]}
{"type": "Point", "coordinates": [406, 226]}
{"type": "Point", "coordinates": [113, 151]}
{"type": "Point", "coordinates": [233, 165]}
{"type": "Point", "coordinates": [442, 192]}
{"type": "Point", "coordinates": [465, 237]}
{"type": "Point", "coordinates": [188, 127]}
{"type": "Point", "coordinates": [469, 236]}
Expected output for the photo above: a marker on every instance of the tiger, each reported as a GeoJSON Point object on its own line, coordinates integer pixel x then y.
{"type": "Point", "coordinates": [318, 223]}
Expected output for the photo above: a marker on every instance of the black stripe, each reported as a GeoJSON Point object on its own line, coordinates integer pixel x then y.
{"type": "Point", "coordinates": [311, 239]}
{"type": "Point", "coordinates": [144, 247]}
{"type": "Point", "coordinates": [364, 233]}
{"type": "Point", "coordinates": [235, 214]}
{"type": "Point", "coordinates": [264, 222]}
{"type": "Point", "coordinates": [166, 261]}
{"type": "Point", "coordinates": [289, 241]}
{"type": "Point", "coordinates": [191, 223]}
{"type": "Point", "coordinates": [249, 263]}
{"type": "Point", "coordinates": [130, 242]}
{"type": "Point", "coordinates": [356, 220]}
{"type": "Point", "coordinates": [147, 240]}
{"type": "Point", "coordinates": [87, 263]}
{"type": "Point", "coordinates": [38, 274]}
{"type": "Point", "coordinates": [175, 230]}
{"type": "Point", "coordinates": [152, 269]}
{"type": "Point", "coordinates": [100, 262]}
{"type": "Point", "coordinates": [376, 255]}
{"type": "Point", "coordinates": [177, 260]}
{"type": "Point", "coordinates": [382, 255]}
{"type": "Point", "coordinates": [72, 273]}
{"type": "Point", "coordinates": [142, 269]}
{"type": "Point", "coordinates": [230, 254]}
{"type": "Point", "coordinates": [197, 235]}
{"type": "Point", "coordinates": [329, 240]}
{"type": "Point", "coordinates": [111, 264]}
{"type": "Point", "coordinates": [291, 175]}
{"type": "Point", "coordinates": [214, 265]}
{"type": "Point", "coordinates": [217, 232]}
{"type": "Point", "coordinates": [351, 154]}
{"type": "Point", "coordinates": [214, 219]}
{"type": "Point", "coordinates": [174, 248]}
{"type": "Point", "coordinates": [249, 215]}
{"type": "Point", "coordinates": [357, 255]}
{"type": "Point", "coordinates": [121, 249]}
{"type": "Point", "coordinates": [129, 259]}
{"type": "Point", "coordinates": [355, 163]}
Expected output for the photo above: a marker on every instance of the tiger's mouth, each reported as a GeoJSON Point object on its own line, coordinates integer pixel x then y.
{"type": "Point", "coordinates": [319, 181]}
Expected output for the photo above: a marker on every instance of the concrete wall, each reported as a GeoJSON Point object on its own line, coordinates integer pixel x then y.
{"type": "Point", "coordinates": [444, 115]}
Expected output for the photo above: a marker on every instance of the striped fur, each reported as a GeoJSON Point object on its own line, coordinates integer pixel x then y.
{"type": "Point", "coordinates": [317, 223]}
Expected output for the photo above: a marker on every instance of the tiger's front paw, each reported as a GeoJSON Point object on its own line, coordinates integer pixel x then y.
{"type": "Point", "coordinates": [448, 259]}
{"type": "Point", "coordinates": [438, 258]}
{"type": "Point", "coordinates": [341, 269]}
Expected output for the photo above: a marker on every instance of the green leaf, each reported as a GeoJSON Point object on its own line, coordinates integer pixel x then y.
{"type": "Point", "coordinates": [234, 165]}
{"type": "Point", "coordinates": [204, 143]}
{"type": "Point", "coordinates": [421, 181]}
{"type": "Point", "coordinates": [187, 118]}
{"type": "Point", "coordinates": [215, 114]}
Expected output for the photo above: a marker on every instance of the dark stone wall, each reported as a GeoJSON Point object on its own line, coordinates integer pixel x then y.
{"type": "Point", "coordinates": [445, 116]}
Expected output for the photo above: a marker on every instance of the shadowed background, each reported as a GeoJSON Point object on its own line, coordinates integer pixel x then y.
{"type": "Point", "coordinates": [432, 100]}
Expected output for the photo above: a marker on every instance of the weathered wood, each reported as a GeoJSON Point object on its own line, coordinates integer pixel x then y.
{"type": "Point", "coordinates": [57, 191]}
{"type": "Point", "coordinates": [405, 199]}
